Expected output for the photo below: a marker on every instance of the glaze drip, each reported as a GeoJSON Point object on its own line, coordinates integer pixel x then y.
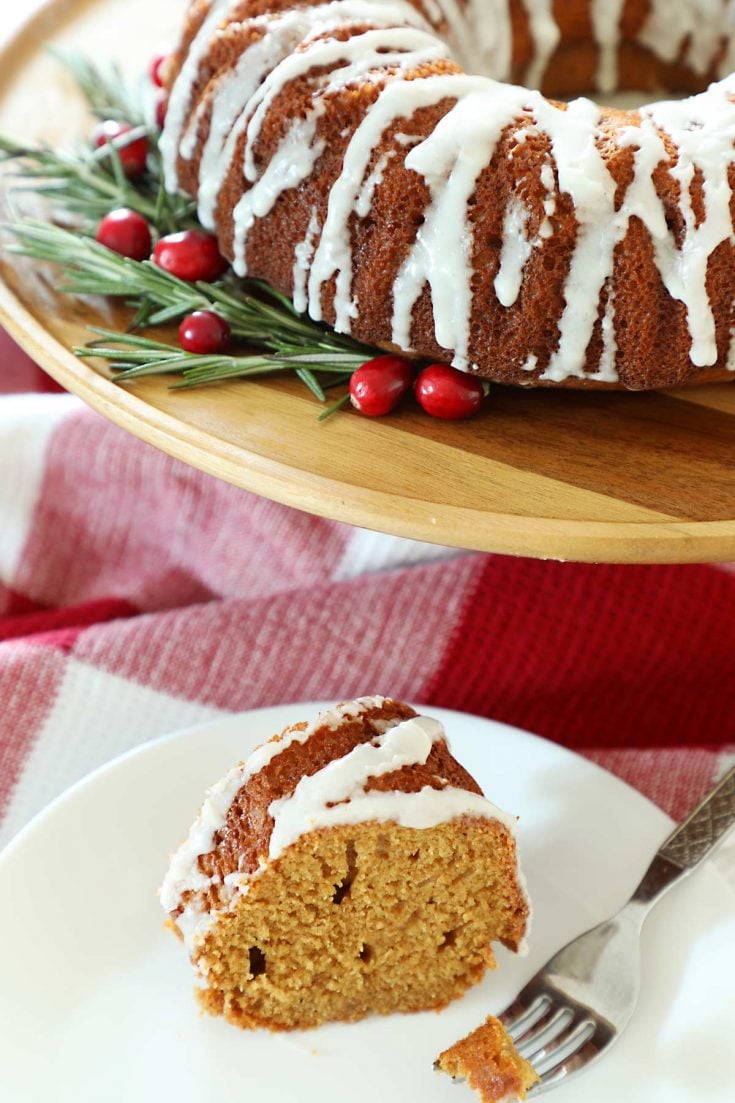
{"type": "Point", "coordinates": [546, 34]}
{"type": "Point", "coordinates": [337, 794]}
{"type": "Point", "coordinates": [691, 143]}
{"type": "Point", "coordinates": [605, 16]}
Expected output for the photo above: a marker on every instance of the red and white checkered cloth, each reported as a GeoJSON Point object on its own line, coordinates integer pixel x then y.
{"type": "Point", "coordinates": [138, 596]}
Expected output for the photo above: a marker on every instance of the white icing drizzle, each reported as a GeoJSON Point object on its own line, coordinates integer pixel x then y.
{"type": "Point", "coordinates": [243, 95]}
{"type": "Point", "coordinates": [230, 114]}
{"type": "Point", "coordinates": [302, 259]}
{"type": "Point", "coordinates": [433, 11]}
{"type": "Point", "coordinates": [180, 96]}
{"type": "Point", "coordinates": [292, 163]}
{"type": "Point", "coordinates": [450, 159]}
{"type": "Point", "coordinates": [515, 251]}
{"type": "Point", "coordinates": [480, 34]}
{"type": "Point", "coordinates": [464, 142]}
{"type": "Point", "coordinates": [407, 139]}
{"type": "Point", "coordinates": [689, 29]}
{"type": "Point", "coordinates": [295, 158]}
{"type": "Point", "coordinates": [334, 253]}
{"type": "Point", "coordinates": [351, 59]}
{"type": "Point", "coordinates": [364, 201]}
{"type": "Point", "coordinates": [582, 174]}
{"type": "Point", "coordinates": [703, 131]}
{"type": "Point", "coordinates": [546, 34]}
{"type": "Point", "coordinates": [548, 181]}
{"type": "Point", "coordinates": [453, 156]}
{"type": "Point", "coordinates": [334, 795]}
{"type": "Point", "coordinates": [605, 16]}
{"type": "Point", "coordinates": [183, 873]}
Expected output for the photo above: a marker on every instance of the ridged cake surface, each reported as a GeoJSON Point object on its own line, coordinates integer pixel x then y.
{"type": "Point", "coordinates": [347, 867]}
{"type": "Point", "coordinates": [369, 159]}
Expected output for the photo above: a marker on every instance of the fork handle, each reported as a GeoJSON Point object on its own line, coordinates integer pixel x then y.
{"type": "Point", "coordinates": [691, 842]}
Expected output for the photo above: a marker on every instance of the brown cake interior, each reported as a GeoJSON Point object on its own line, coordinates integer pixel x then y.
{"type": "Point", "coordinates": [490, 1063]}
{"type": "Point", "coordinates": [350, 918]}
{"type": "Point", "coordinates": [370, 918]}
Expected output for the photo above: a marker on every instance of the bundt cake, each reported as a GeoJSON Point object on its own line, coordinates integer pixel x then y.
{"type": "Point", "coordinates": [490, 1063]}
{"type": "Point", "coordinates": [350, 866]}
{"type": "Point", "coordinates": [341, 154]}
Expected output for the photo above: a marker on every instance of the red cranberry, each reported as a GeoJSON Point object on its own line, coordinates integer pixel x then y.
{"type": "Point", "coordinates": [161, 109]}
{"type": "Point", "coordinates": [378, 386]}
{"type": "Point", "coordinates": [204, 332]}
{"type": "Point", "coordinates": [447, 393]}
{"type": "Point", "coordinates": [133, 156]}
{"type": "Point", "coordinates": [190, 255]}
{"type": "Point", "coordinates": [156, 69]}
{"type": "Point", "coordinates": [125, 232]}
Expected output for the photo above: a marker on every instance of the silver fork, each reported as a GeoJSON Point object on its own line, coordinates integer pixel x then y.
{"type": "Point", "coordinates": [573, 1009]}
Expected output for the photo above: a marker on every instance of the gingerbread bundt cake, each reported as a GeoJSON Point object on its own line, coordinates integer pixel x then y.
{"type": "Point", "coordinates": [490, 1064]}
{"type": "Point", "coordinates": [342, 155]}
{"type": "Point", "coordinates": [349, 866]}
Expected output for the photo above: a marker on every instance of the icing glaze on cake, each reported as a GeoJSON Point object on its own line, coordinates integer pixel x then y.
{"type": "Point", "coordinates": [539, 242]}
{"type": "Point", "coordinates": [334, 795]}
{"type": "Point", "coordinates": [348, 867]}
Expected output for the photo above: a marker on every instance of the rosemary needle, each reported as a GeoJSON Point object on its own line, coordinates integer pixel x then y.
{"type": "Point", "coordinates": [87, 184]}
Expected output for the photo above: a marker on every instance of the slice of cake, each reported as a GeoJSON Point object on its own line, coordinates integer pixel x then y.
{"type": "Point", "coordinates": [490, 1063]}
{"type": "Point", "coordinates": [349, 866]}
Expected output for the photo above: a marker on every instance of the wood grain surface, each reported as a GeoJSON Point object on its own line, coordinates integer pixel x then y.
{"type": "Point", "coordinates": [552, 474]}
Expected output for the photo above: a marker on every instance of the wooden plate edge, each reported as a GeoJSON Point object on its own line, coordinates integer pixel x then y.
{"type": "Point", "coordinates": [461, 527]}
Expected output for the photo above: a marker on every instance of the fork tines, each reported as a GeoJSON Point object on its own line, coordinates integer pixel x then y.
{"type": "Point", "coordinates": [556, 1036]}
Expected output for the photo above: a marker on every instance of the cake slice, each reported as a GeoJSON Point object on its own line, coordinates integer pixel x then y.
{"type": "Point", "coordinates": [350, 866]}
{"type": "Point", "coordinates": [490, 1063]}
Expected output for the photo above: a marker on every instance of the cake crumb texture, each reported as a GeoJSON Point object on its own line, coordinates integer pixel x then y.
{"type": "Point", "coordinates": [490, 1063]}
{"type": "Point", "coordinates": [361, 919]}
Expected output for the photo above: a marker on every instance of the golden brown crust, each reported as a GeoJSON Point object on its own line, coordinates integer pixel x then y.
{"type": "Point", "coordinates": [246, 834]}
{"type": "Point", "coordinates": [357, 918]}
{"type": "Point", "coordinates": [651, 329]}
{"type": "Point", "coordinates": [573, 65]}
{"type": "Point", "coordinates": [490, 1063]}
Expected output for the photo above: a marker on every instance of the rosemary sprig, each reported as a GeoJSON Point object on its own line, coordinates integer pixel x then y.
{"type": "Point", "coordinates": [87, 184]}
{"type": "Point", "coordinates": [103, 87]}
{"type": "Point", "coordinates": [91, 185]}
{"type": "Point", "coordinates": [135, 357]}
{"type": "Point", "coordinates": [91, 269]}
{"type": "Point", "coordinates": [256, 314]}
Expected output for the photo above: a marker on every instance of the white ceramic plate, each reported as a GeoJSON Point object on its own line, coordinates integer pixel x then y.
{"type": "Point", "coordinates": [95, 996]}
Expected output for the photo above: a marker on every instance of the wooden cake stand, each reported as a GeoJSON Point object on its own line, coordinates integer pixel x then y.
{"type": "Point", "coordinates": [627, 478]}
